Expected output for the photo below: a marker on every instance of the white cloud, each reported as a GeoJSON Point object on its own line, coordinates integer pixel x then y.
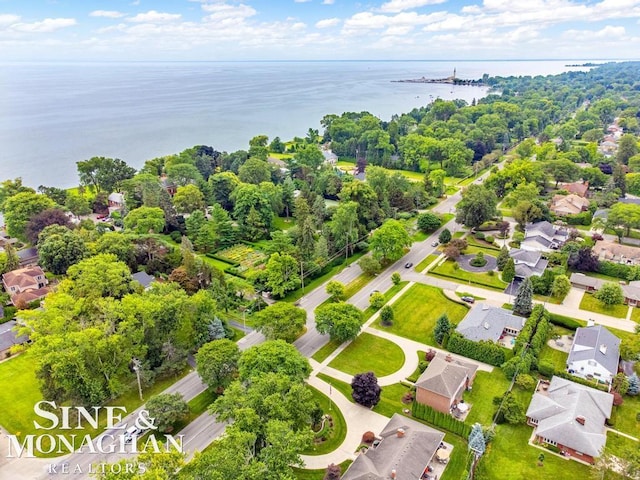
{"type": "Point", "coordinates": [153, 16]}
{"type": "Point", "coordinates": [328, 2]}
{"type": "Point", "coordinates": [609, 32]}
{"type": "Point", "coordinates": [107, 14]}
{"type": "Point", "coordinates": [8, 19]}
{"type": "Point", "coordinates": [328, 22]}
{"type": "Point", "coordinates": [395, 6]}
{"type": "Point", "coordinates": [222, 11]}
{"type": "Point", "coordinates": [301, 1]}
{"type": "Point", "coordinates": [45, 26]}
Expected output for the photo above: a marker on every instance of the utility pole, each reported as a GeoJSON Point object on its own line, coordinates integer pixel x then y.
{"type": "Point", "coordinates": [137, 365]}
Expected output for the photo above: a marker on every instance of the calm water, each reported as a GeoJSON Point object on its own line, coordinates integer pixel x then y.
{"type": "Point", "coordinates": [52, 115]}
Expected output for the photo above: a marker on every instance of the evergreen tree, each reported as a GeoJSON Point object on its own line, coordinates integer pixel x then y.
{"type": "Point", "coordinates": [445, 236]}
{"type": "Point", "coordinates": [442, 328]}
{"type": "Point", "coordinates": [503, 258]}
{"type": "Point", "coordinates": [477, 443]}
{"type": "Point", "coordinates": [634, 385]}
{"type": "Point", "coordinates": [523, 303]}
{"type": "Point", "coordinates": [509, 271]}
{"type": "Point", "coordinates": [216, 329]}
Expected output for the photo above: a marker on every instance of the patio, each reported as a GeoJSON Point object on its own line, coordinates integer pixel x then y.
{"type": "Point", "coordinates": [461, 410]}
{"type": "Point", "coordinates": [563, 343]}
{"type": "Point", "coordinates": [507, 340]}
{"type": "Point", "coordinates": [438, 463]}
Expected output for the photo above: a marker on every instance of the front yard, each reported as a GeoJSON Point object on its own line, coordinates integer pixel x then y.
{"type": "Point", "coordinates": [448, 270]}
{"type": "Point", "coordinates": [591, 304]}
{"type": "Point", "coordinates": [369, 353]}
{"type": "Point", "coordinates": [416, 312]}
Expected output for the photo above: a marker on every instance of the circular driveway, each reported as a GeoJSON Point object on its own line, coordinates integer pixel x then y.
{"type": "Point", "coordinates": [464, 260]}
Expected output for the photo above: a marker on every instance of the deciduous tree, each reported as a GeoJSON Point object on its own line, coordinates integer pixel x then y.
{"type": "Point", "coordinates": [167, 409]}
{"type": "Point", "coordinates": [273, 356]}
{"type": "Point", "coordinates": [217, 363]}
{"type": "Point", "coordinates": [335, 290]}
{"type": "Point", "coordinates": [188, 199]}
{"type": "Point", "coordinates": [145, 220]}
{"type": "Point", "coordinates": [22, 207]}
{"type": "Point", "coordinates": [342, 321]}
{"type": "Point", "coordinates": [428, 222]}
{"type": "Point", "coordinates": [365, 389]}
{"type": "Point", "coordinates": [281, 321]}
{"type": "Point", "coordinates": [282, 274]}
{"type": "Point", "coordinates": [610, 294]}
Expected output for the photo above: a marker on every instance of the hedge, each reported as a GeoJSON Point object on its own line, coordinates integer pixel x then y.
{"type": "Point", "coordinates": [583, 218]}
{"type": "Point", "coordinates": [439, 419]}
{"type": "Point", "coordinates": [483, 351]}
{"type": "Point", "coordinates": [618, 270]}
{"type": "Point", "coordinates": [562, 321]}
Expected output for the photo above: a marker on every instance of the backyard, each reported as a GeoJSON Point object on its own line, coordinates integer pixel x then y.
{"type": "Point", "coordinates": [416, 312]}
{"type": "Point", "coordinates": [591, 304]}
{"type": "Point", "coordinates": [486, 386]}
{"type": "Point", "coordinates": [370, 353]}
{"type": "Point", "coordinates": [557, 358]}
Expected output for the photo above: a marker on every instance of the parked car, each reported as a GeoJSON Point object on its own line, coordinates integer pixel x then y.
{"type": "Point", "coordinates": [468, 299]}
{"type": "Point", "coordinates": [408, 265]}
{"type": "Point", "coordinates": [435, 244]}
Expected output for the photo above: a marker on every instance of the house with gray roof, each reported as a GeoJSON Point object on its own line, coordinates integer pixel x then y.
{"type": "Point", "coordinates": [528, 262]}
{"type": "Point", "coordinates": [590, 284]}
{"type": "Point", "coordinates": [144, 279]}
{"type": "Point", "coordinates": [484, 322]}
{"type": "Point", "coordinates": [571, 417]}
{"type": "Point", "coordinates": [8, 338]}
{"type": "Point", "coordinates": [405, 449]}
{"type": "Point", "coordinates": [595, 354]}
{"type": "Point", "coordinates": [543, 237]}
{"type": "Point", "coordinates": [443, 383]}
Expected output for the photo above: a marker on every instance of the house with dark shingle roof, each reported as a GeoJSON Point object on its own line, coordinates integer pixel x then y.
{"type": "Point", "coordinates": [484, 322]}
{"type": "Point", "coordinates": [443, 383]}
{"type": "Point", "coordinates": [571, 417]}
{"type": "Point", "coordinates": [528, 263]}
{"type": "Point", "coordinates": [144, 279]}
{"type": "Point", "coordinates": [543, 237]}
{"type": "Point", "coordinates": [8, 338]}
{"type": "Point", "coordinates": [404, 452]}
{"type": "Point", "coordinates": [595, 354]}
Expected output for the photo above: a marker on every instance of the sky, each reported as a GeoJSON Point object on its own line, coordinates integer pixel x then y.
{"type": "Point", "coordinates": [206, 30]}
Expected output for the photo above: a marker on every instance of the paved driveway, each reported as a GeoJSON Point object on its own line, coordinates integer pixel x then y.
{"type": "Point", "coordinates": [464, 260]}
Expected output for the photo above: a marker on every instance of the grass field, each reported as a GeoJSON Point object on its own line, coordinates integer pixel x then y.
{"type": "Point", "coordinates": [510, 457]}
{"type": "Point", "coordinates": [486, 386]}
{"type": "Point", "coordinates": [283, 223]}
{"type": "Point", "coordinates": [555, 357]}
{"type": "Point", "coordinates": [343, 387]}
{"type": "Point", "coordinates": [624, 416]}
{"type": "Point", "coordinates": [388, 295]}
{"type": "Point", "coordinates": [391, 400]}
{"type": "Point", "coordinates": [19, 392]}
{"type": "Point", "coordinates": [417, 311]}
{"type": "Point", "coordinates": [591, 304]}
{"type": "Point", "coordinates": [462, 276]}
{"type": "Point", "coordinates": [326, 350]}
{"type": "Point", "coordinates": [357, 284]}
{"type": "Point", "coordinates": [425, 263]}
{"type": "Point", "coordinates": [635, 315]}
{"type": "Point", "coordinates": [619, 445]}
{"type": "Point", "coordinates": [336, 434]}
{"type": "Point", "coordinates": [369, 353]}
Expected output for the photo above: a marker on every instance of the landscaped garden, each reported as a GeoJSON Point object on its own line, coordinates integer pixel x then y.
{"type": "Point", "coordinates": [302, 474]}
{"type": "Point", "coordinates": [332, 431]}
{"type": "Point", "coordinates": [247, 257]}
{"type": "Point", "coordinates": [416, 312]}
{"type": "Point", "coordinates": [370, 353]}
{"type": "Point", "coordinates": [591, 304]}
{"type": "Point", "coordinates": [625, 417]}
{"type": "Point", "coordinates": [488, 279]}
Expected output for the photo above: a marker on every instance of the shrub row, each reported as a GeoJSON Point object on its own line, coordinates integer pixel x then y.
{"type": "Point", "coordinates": [583, 218]}
{"type": "Point", "coordinates": [439, 419]}
{"type": "Point", "coordinates": [483, 351]}
{"type": "Point", "coordinates": [562, 321]}
{"type": "Point", "coordinates": [619, 270]}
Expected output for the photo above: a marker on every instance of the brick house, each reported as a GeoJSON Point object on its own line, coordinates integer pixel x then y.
{"type": "Point", "coordinates": [25, 284]}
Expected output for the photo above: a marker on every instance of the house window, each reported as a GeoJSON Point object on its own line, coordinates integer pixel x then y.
{"type": "Point", "coordinates": [533, 421]}
{"type": "Point", "coordinates": [591, 363]}
{"type": "Point", "coordinates": [550, 442]}
{"type": "Point", "coordinates": [596, 374]}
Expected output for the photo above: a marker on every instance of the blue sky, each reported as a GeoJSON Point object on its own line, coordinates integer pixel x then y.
{"type": "Point", "coordinates": [318, 29]}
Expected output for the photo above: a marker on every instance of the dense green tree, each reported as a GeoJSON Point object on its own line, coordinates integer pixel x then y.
{"type": "Point", "coordinates": [445, 236]}
{"type": "Point", "coordinates": [610, 294]}
{"type": "Point", "coordinates": [188, 199]}
{"type": "Point", "coordinates": [377, 300]}
{"type": "Point", "coordinates": [217, 363]}
{"type": "Point", "coordinates": [627, 148]}
{"type": "Point", "coordinates": [145, 220]}
{"type": "Point", "coordinates": [281, 321]}
{"type": "Point", "coordinates": [563, 170]}
{"type": "Point", "coordinates": [503, 258]}
{"type": "Point", "coordinates": [561, 286]}
{"type": "Point", "coordinates": [509, 271]}
{"type": "Point", "coordinates": [528, 192]}
{"type": "Point", "coordinates": [309, 156]}
{"type": "Point", "coordinates": [625, 215]}
{"type": "Point", "coordinates": [183, 174]}
{"type": "Point", "coordinates": [61, 249]}
{"type": "Point", "coordinates": [523, 303]}
{"type": "Point", "coordinates": [344, 226]}
{"type": "Point", "coordinates": [223, 184]}
{"type": "Point", "coordinates": [22, 207]}
{"type": "Point", "coordinates": [9, 188]}
{"type": "Point", "coordinates": [335, 290]}
{"type": "Point", "coordinates": [9, 259]}
{"type": "Point", "coordinates": [282, 272]}
{"type": "Point", "coordinates": [428, 222]}
{"type": "Point", "coordinates": [386, 316]}
{"type": "Point", "coordinates": [252, 210]}
{"type": "Point", "coordinates": [478, 205]}
{"type": "Point", "coordinates": [442, 329]}
{"type": "Point", "coordinates": [255, 171]}
{"type": "Point", "coordinates": [526, 212]}
{"type": "Point", "coordinates": [389, 241]}
{"type": "Point", "coordinates": [273, 356]}
{"type": "Point", "coordinates": [369, 265]}
{"type": "Point", "coordinates": [167, 410]}
{"type": "Point", "coordinates": [436, 177]}
{"type": "Point", "coordinates": [77, 204]}
{"type": "Point", "coordinates": [104, 174]}
{"type": "Point", "coordinates": [258, 147]}
{"type": "Point", "coordinates": [98, 276]}
{"type": "Point", "coordinates": [342, 321]}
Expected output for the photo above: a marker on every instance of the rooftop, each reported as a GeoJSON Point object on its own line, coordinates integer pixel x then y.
{"type": "Point", "coordinates": [484, 322]}
{"type": "Point", "coordinates": [596, 343]}
{"type": "Point", "coordinates": [445, 375]}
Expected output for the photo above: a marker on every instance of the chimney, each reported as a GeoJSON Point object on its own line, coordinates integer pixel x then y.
{"type": "Point", "coordinates": [580, 420]}
{"type": "Point", "coordinates": [393, 473]}
{"type": "Point", "coordinates": [603, 349]}
{"type": "Point", "coordinates": [448, 358]}
{"type": "Point", "coordinates": [400, 432]}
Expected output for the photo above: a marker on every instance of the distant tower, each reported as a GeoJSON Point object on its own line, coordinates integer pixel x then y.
{"type": "Point", "coordinates": [454, 73]}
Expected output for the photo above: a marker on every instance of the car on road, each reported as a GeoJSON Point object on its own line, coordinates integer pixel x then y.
{"type": "Point", "coordinates": [374, 291]}
{"type": "Point", "coordinates": [408, 265]}
{"type": "Point", "coordinates": [435, 243]}
{"type": "Point", "coordinates": [131, 431]}
{"type": "Point", "coordinates": [468, 299]}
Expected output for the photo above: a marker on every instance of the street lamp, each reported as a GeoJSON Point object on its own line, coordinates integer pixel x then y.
{"type": "Point", "coordinates": [137, 365]}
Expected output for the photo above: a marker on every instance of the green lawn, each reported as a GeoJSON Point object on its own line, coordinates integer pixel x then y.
{"type": "Point", "coordinates": [555, 357]}
{"type": "Point", "coordinates": [624, 416]}
{"type": "Point", "coordinates": [446, 217]}
{"type": "Point", "coordinates": [369, 353]}
{"type": "Point", "coordinates": [425, 263]}
{"type": "Point", "coordinates": [302, 474]}
{"type": "Point", "coordinates": [510, 457]}
{"type": "Point", "coordinates": [326, 350]}
{"type": "Point", "coordinates": [459, 458]}
{"type": "Point", "coordinates": [356, 285]}
{"type": "Point", "coordinates": [282, 223]}
{"type": "Point", "coordinates": [591, 304]}
{"type": "Point", "coordinates": [416, 373]}
{"type": "Point", "coordinates": [471, 240]}
{"type": "Point", "coordinates": [388, 295]}
{"type": "Point", "coordinates": [461, 276]}
{"type": "Point", "coordinates": [391, 400]}
{"type": "Point", "coordinates": [619, 445]}
{"type": "Point", "coordinates": [214, 262]}
{"type": "Point", "coordinates": [635, 315]}
{"type": "Point", "coordinates": [343, 387]}
{"type": "Point", "coordinates": [334, 436]}
{"type": "Point", "coordinates": [418, 309]}
{"type": "Point", "coordinates": [486, 386]}
{"type": "Point", "coordinates": [19, 392]}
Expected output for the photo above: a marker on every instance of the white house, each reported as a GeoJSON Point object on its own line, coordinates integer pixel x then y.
{"type": "Point", "coordinates": [595, 354]}
{"type": "Point", "coordinates": [543, 237]}
{"type": "Point", "coordinates": [528, 263]}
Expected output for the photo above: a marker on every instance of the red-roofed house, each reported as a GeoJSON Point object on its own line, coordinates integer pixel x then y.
{"type": "Point", "coordinates": [25, 284]}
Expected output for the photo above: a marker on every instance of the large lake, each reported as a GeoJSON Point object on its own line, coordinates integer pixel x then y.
{"type": "Point", "coordinates": [55, 114]}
